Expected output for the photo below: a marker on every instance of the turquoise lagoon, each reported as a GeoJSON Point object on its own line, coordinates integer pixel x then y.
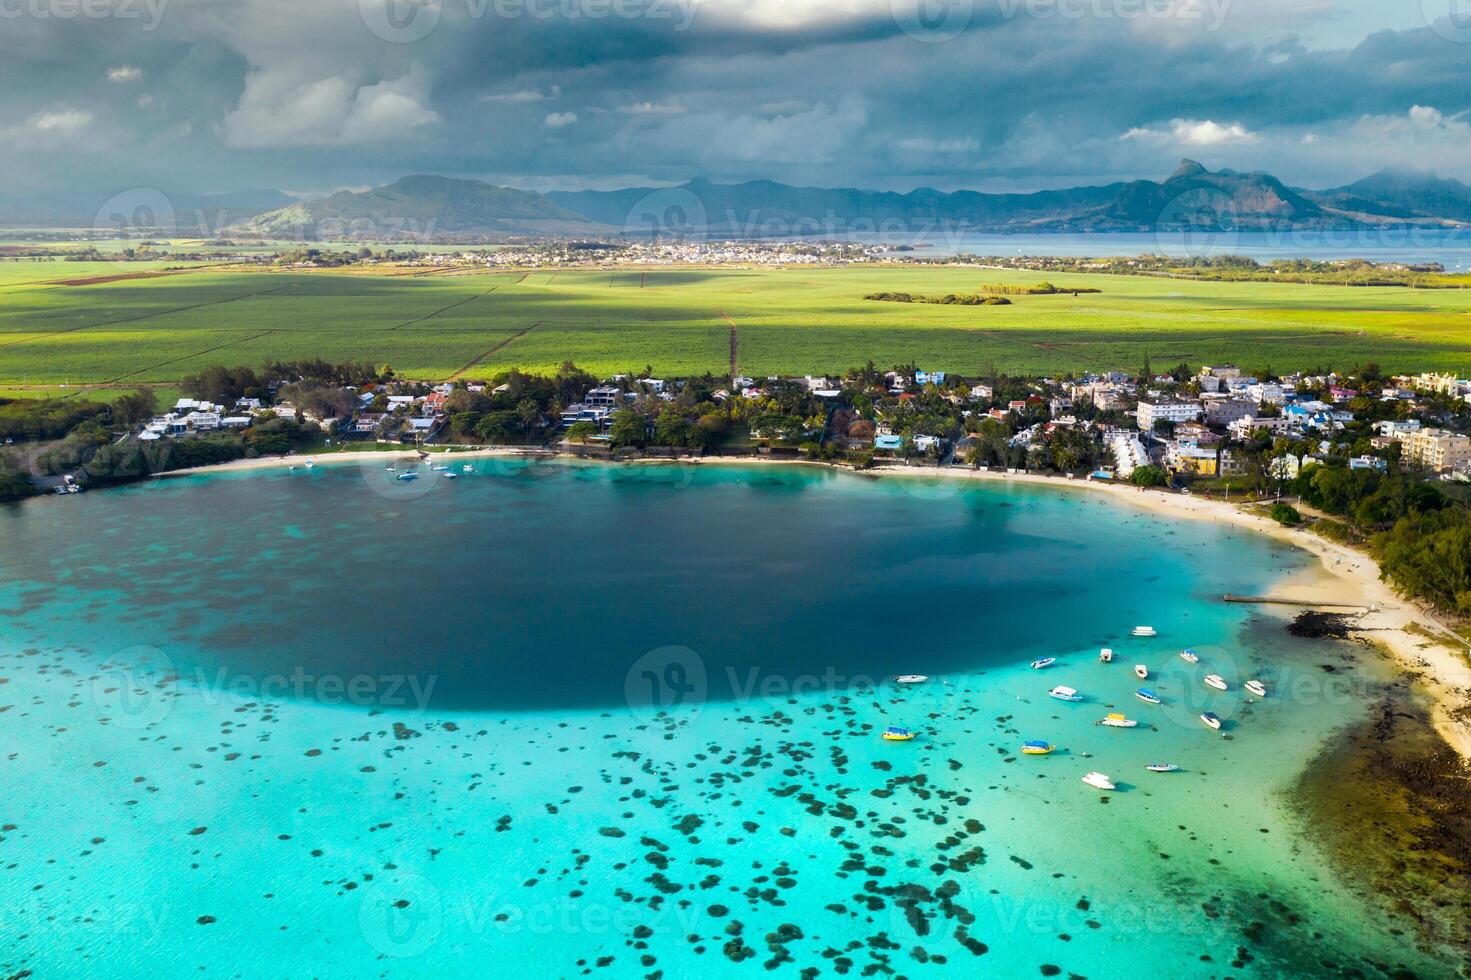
{"type": "Point", "coordinates": [557, 720]}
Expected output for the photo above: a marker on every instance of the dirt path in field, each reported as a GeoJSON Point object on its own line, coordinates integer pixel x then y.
{"type": "Point", "coordinates": [199, 353]}
{"type": "Point", "coordinates": [142, 316]}
{"type": "Point", "coordinates": [734, 347]}
{"type": "Point", "coordinates": [99, 280]}
{"type": "Point", "coordinates": [446, 309]}
{"type": "Point", "coordinates": [496, 349]}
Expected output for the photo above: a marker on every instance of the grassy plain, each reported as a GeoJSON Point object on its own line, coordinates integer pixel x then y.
{"type": "Point", "coordinates": [679, 320]}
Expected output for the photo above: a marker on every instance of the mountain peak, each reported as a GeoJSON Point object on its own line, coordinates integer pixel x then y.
{"type": "Point", "coordinates": [1188, 168]}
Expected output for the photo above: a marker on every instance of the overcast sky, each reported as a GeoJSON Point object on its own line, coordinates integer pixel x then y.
{"type": "Point", "coordinates": [199, 96]}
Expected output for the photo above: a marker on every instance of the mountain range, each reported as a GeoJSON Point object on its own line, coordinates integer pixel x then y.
{"type": "Point", "coordinates": [423, 208]}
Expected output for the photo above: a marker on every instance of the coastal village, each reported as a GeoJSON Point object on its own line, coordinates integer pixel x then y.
{"type": "Point", "coordinates": [1216, 424]}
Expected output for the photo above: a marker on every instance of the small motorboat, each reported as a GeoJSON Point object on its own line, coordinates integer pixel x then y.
{"type": "Point", "coordinates": [310, 464]}
{"type": "Point", "coordinates": [1147, 696]}
{"type": "Point", "coordinates": [1189, 657]}
{"type": "Point", "coordinates": [452, 476]}
{"type": "Point", "coordinates": [912, 678]}
{"type": "Point", "coordinates": [1162, 767]}
{"type": "Point", "coordinates": [1099, 781]}
{"type": "Point", "coordinates": [410, 475]}
{"type": "Point", "coordinates": [390, 467]}
{"type": "Point", "coordinates": [1044, 663]}
{"type": "Point", "coordinates": [1038, 748]}
{"type": "Point", "coordinates": [896, 734]}
{"type": "Point", "coordinates": [1145, 631]}
{"type": "Point", "coordinates": [467, 468]}
{"type": "Point", "coordinates": [1065, 694]}
{"type": "Point", "coordinates": [1141, 672]}
{"type": "Point", "coordinates": [1216, 681]}
{"type": "Point", "coordinates": [1116, 720]}
{"type": "Point", "coordinates": [1105, 655]}
{"type": "Point", "coordinates": [1257, 688]}
{"type": "Point", "coordinates": [1211, 720]}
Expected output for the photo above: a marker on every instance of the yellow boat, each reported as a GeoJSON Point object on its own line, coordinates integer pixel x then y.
{"type": "Point", "coordinates": [1038, 748]}
{"type": "Point", "coordinates": [897, 735]}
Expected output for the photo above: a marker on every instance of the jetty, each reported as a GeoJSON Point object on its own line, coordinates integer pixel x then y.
{"type": "Point", "coordinates": [1268, 600]}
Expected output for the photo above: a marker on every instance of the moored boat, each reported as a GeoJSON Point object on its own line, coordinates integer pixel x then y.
{"type": "Point", "coordinates": [1141, 672]}
{"type": "Point", "coordinates": [1211, 720]}
{"type": "Point", "coordinates": [1216, 681]}
{"type": "Point", "coordinates": [912, 678]}
{"type": "Point", "coordinates": [1257, 688]}
{"type": "Point", "coordinates": [1189, 657]}
{"type": "Point", "coordinates": [410, 475]}
{"type": "Point", "coordinates": [896, 734]}
{"type": "Point", "coordinates": [1105, 655]}
{"type": "Point", "coordinates": [1147, 696]}
{"type": "Point", "coordinates": [1099, 781]}
{"type": "Point", "coordinates": [1116, 720]}
{"type": "Point", "coordinates": [1065, 694]}
{"type": "Point", "coordinates": [1044, 663]}
{"type": "Point", "coordinates": [1145, 631]}
{"type": "Point", "coordinates": [452, 476]}
{"type": "Point", "coordinates": [1162, 767]}
{"type": "Point", "coordinates": [1038, 748]}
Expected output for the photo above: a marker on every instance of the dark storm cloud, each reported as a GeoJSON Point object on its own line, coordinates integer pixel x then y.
{"type": "Point", "coordinates": [211, 96]}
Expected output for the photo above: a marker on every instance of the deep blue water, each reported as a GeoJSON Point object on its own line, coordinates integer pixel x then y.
{"type": "Point", "coordinates": [558, 721]}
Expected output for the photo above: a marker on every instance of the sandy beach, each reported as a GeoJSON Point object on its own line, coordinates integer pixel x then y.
{"type": "Point", "coordinates": [1344, 576]}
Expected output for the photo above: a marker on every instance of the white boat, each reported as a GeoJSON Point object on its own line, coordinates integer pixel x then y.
{"type": "Point", "coordinates": [310, 464]}
{"type": "Point", "coordinates": [1189, 657]}
{"type": "Point", "coordinates": [1211, 720]}
{"type": "Point", "coordinates": [1116, 720]}
{"type": "Point", "coordinates": [911, 678]}
{"type": "Point", "coordinates": [410, 475]}
{"type": "Point", "coordinates": [1105, 655]}
{"type": "Point", "coordinates": [1257, 688]}
{"type": "Point", "coordinates": [1145, 631]}
{"type": "Point", "coordinates": [1099, 781]}
{"type": "Point", "coordinates": [1065, 694]}
{"type": "Point", "coordinates": [452, 476]}
{"type": "Point", "coordinates": [1044, 663]}
{"type": "Point", "coordinates": [1216, 681]}
{"type": "Point", "coordinates": [1141, 672]}
{"type": "Point", "coordinates": [1147, 696]}
{"type": "Point", "coordinates": [439, 467]}
{"type": "Point", "coordinates": [1162, 767]}
{"type": "Point", "coordinates": [467, 468]}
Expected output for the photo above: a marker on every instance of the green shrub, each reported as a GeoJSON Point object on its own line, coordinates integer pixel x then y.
{"type": "Point", "coordinates": [1286, 515]}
